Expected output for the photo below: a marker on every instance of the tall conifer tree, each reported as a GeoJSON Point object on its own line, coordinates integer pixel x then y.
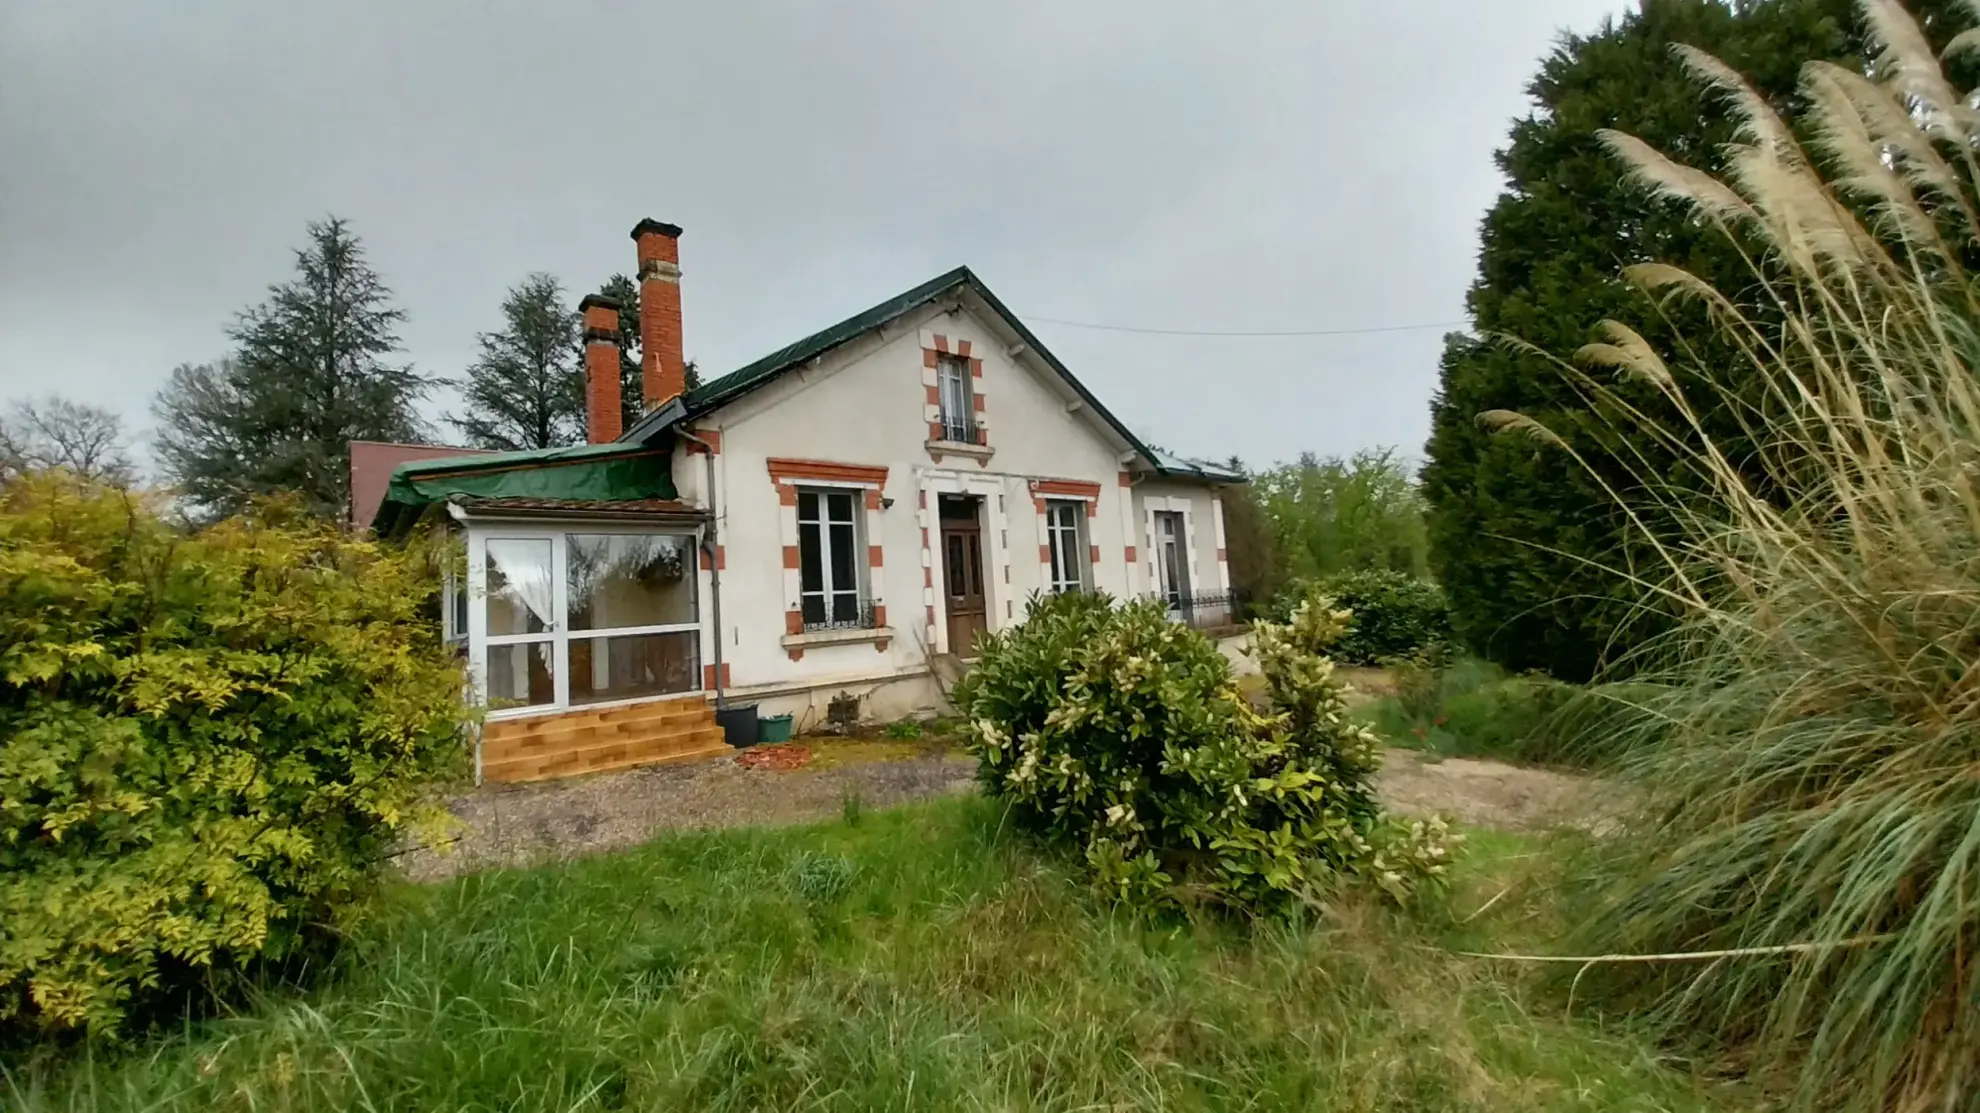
{"type": "Point", "coordinates": [1530, 549]}
{"type": "Point", "coordinates": [310, 373]}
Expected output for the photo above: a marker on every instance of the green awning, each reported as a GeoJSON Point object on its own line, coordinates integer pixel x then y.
{"type": "Point", "coordinates": [616, 472]}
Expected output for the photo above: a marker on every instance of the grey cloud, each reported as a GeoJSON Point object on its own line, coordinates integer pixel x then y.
{"type": "Point", "coordinates": [1248, 166]}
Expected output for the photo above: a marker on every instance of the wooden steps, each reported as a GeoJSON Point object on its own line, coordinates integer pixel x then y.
{"type": "Point", "coordinates": [594, 741]}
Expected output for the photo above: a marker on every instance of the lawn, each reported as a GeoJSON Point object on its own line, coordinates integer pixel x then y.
{"type": "Point", "coordinates": [917, 958]}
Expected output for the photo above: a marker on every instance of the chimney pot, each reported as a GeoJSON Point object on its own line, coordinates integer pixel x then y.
{"type": "Point", "coordinates": [659, 227]}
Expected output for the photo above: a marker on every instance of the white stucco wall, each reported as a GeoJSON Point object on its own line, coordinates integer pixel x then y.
{"type": "Point", "coordinates": [1203, 520]}
{"type": "Point", "coordinates": [866, 404]}
{"type": "Point", "coordinates": [858, 419]}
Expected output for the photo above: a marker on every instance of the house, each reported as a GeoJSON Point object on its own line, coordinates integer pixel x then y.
{"type": "Point", "coordinates": [840, 518]}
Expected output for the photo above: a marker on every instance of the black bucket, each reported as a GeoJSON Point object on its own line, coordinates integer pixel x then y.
{"type": "Point", "coordinates": [739, 725]}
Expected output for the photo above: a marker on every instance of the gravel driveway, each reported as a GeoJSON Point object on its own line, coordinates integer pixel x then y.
{"type": "Point", "coordinates": [528, 824]}
{"type": "Point", "coordinates": [551, 820]}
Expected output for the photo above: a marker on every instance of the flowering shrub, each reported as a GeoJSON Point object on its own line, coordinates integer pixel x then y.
{"type": "Point", "coordinates": [1123, 734]}
{"type": "Point", "coordinates": [206, 743]}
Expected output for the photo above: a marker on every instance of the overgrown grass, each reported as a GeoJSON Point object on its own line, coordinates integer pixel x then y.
{"type": "Point", "coordinates": [919, 958]}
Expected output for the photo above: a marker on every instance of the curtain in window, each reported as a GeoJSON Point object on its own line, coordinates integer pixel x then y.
{"type": "Point", "coordinates": [521, 592]}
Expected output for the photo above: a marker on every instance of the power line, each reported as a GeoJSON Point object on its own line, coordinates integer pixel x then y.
{"type": "Point", "coordinates": [1212, 332]}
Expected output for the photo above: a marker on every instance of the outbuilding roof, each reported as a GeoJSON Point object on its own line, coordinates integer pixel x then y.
{"type": "Point", "coordinates": [618, 473]}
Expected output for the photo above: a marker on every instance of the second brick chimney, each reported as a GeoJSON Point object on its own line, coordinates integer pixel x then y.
{"type": "Point", "coordinates": [602, 420]}
{"type": "Point", "coordinates": [663, 370]}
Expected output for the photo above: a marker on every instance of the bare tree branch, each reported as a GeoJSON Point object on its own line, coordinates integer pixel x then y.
{"type": "Point", "coordinates": [56, 432]}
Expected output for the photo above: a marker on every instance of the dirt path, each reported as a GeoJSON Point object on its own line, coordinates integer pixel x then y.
{"type": "Point", "coordinates": [536, 823]}
{"type": "Point", "coordinates": [1490, 794]}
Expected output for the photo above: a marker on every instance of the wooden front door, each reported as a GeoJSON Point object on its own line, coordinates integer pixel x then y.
{"type": "Point", "coordinates": [962, 578]}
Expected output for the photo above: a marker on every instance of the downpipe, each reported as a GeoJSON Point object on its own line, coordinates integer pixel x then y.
{"type": "Point", "coordinates": [711, 547]}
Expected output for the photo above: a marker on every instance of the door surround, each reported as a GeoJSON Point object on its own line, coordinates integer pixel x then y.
{"type": "Point", "coordinates": [966, 601]}
{"type": "Point", "coordinates": [931, 483]}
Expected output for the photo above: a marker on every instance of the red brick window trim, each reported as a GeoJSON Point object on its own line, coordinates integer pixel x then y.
{"type": "Point", "coordinates": [784, 470]}
{"type": "Point", "coordinates": [953, 404]}
{"type": "Point", "coordinates": [829, 476]}
{"type": "Point", "coordinates": [1066, 488]}
{"type": "Point", "coordinates": [1065, 538]}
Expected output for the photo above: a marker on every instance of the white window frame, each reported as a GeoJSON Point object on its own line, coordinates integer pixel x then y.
{"type": "Point", "coordinates": [1059, 536]}
{"type": "Point", "coordinates": [1180, 571]}
{"type": "Point", "coordinates": [955, 396]}
{"type": "Point", "coordinates": [560, 635]}
{"type": "Point", "coordinates": [455, 605]}
{"type": "Point", "coordinates": [861, 587]}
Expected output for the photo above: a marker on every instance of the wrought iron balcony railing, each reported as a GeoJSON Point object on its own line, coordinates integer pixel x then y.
{"type": "Point", "coordinates": [1206, 610]}
{"type": "Point", "coordinates": [962, 430]}
{"type": "Point", "coordinates": [838, 612]}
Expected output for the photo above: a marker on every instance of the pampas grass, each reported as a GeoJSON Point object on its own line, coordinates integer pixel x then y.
{"type": "Point", "coordinates": [1811, 786]}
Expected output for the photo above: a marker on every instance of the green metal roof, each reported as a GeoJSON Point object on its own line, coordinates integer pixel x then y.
{"type": "Point", "coordinates": [741, 381]}
{"type": "Point", "coordinates": [1184, 467]}
{"type": "Point", "coordinates": [720, 392]}
{"type": "Point", "coordinates": [615, 472]}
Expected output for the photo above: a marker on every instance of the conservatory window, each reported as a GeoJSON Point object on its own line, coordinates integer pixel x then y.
{"type": "Point", "coordinates": [521, 623]}
{"type": "Point", "coordinates": [579, 618]}
{"type": "Point", "coordinates": [640, 587]}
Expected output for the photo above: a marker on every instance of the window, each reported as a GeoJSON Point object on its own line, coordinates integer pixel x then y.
{"type": "Point", "coordinates": [619, 580]}
{"type": "Point", "coordinates": [958, 403]}
{"type": "Point", "coordinates": [579, 618]}
{"type": "Point", "coordinates": [631, 582]}
{"type": "Point", "coordinates": [520, 610]}
{"type": "Point", "coordinates": [1065, 522]}
{"type": "Point", "coordinates": [830, 567]}
{"type": "Point", "coordinates": [1172, 557]}
{"type": "Point", "coordinates": [454, 610]}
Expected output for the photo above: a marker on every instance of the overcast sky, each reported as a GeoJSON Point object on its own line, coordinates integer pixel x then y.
{"type": "Point", "coordinates": [1255, 166]}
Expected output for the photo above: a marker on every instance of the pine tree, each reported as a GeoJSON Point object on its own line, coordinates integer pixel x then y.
{"type": "Point", "coordinates": [1525, 541]}
{"type": "Point", "coordinates": [526, 390]}
{"type": "Point", "coordinates": [632, 392]}
{"type": "Point", "coordinates": [308, 376]}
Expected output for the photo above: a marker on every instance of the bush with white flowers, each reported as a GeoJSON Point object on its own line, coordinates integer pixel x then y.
{"type": "Point", "coordinates": [1120, 733]}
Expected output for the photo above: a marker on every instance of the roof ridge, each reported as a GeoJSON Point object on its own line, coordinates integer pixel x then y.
{"type": "Point", "coordinates": [721, 391]}
{"type": "Point", "coordinates": [828, 337]}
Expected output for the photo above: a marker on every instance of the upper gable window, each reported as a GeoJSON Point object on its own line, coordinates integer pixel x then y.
{"type": "Point", "coordinates": [958, 401]}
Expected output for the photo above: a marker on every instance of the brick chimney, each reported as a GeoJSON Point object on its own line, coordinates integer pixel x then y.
{"type": "Point", "coordinates": [602, 422]}
{"type": "Point", "coordinates": [663, 371]}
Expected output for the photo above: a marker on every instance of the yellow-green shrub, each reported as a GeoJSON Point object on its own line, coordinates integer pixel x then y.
{"type": "Point", "coordinates": [1122, 734]}
{"type": "Point", "coordinates": [206, 742]}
